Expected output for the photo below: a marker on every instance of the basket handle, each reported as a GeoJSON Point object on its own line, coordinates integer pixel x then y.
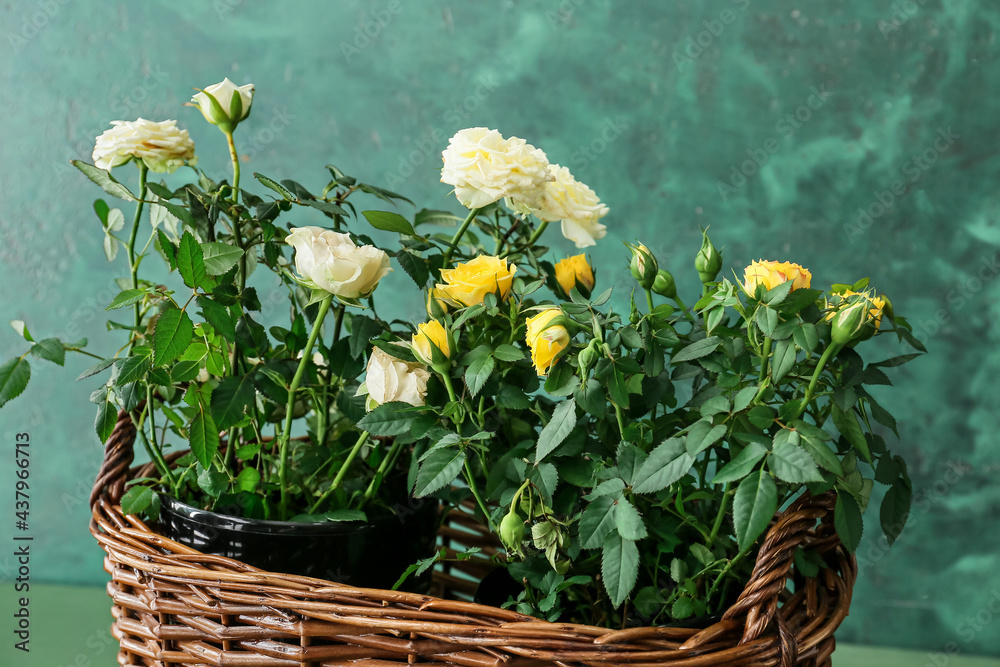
{"type": "Point", "coordinates": [759, 599]}
{"type": "Point", "coordinates": [118, 455]}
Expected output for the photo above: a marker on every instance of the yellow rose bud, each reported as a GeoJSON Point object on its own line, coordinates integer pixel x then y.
{"type": "Point", "coordinates": [643, 266]}
{"type": "Point", "coordinates": [575, 272]}
{"type": "Point", "coordinates": [469, 283]}
{"type": "Point", "coordinates": [431, 344]}
{"type": "Point", "coordinates": [546, 339]}
{"type": "Point", "coordinates": [851, 311]}
{"type": "Point", "coordinates": [437, 302]}
{"type": "Point", "coordinates": [771, 274]}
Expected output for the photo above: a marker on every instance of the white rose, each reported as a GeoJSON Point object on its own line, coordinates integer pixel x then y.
{"type": "Point", "coordinates": [391, 379]}
{"type": "Point", "coordinates": [575, 204]}
{"type": "Point", "coordinates": [161, 146]}
{"type": "Point", "coordinates": [332, 262]}
{"type": "Point", "coordinates": [225, 113]}
{"type": "Point", "coordinates": [484, 167]}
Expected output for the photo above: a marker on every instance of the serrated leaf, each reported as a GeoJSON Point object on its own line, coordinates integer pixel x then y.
{"type": "Point", "coordinates": [505, 352]}
{"type": "Point", "coordinates": [847, 520]}
{"type": "Point", "coordinates": [389, 222]}
{"type": "Point", "coordinates": [790, 462]}
{"type": "Point", "coordinates": [105, 180]}
{"type": "Point", "coordinates": [363, 329]}
{"type": "Point", "coordinates": [742, 464]}
{"type": "Point", "coordinates": [388, 419]}
{"type": "Point", "coordinates": [219, 257]}
{"type": "Point", "coordinates": [248, 479]}
{"type": "Point", "coordinates": [126, 298]}
{"type": "Point", "coordinates": [415, 267]}
{"type": "Point", "coordinates": [754, 506]}
{"type": "Point", "coordinates": [783, 360]}
{"type": "Point", "coordinates": [806, 337]}
{"type": "Point", "coordinates": [665, 465]}
{"type": "Point", "coordinates": [559, 427]}
{"type": "Point", "coordinates": [629, 521]}
{"type": "Point", "coordinates": [619, 567]}
{"type": "Point", "coordinates": [231, 399]}
{"type": "Point", "coordinates": [432, 217]}
{"type": "Point", "coordinates": [132, 369]}
{"type": "Point", "coordinates": [104, 422]}
{"type": "Point", "coordinates": [190, 261]}
{"type": "Point", "coordinates": [895, 509]}
{"type": "Point", "coordinates": [597, 522]}
{"type": "Point", "coordinates": [703, 435]}
{"type": "Point", "coordinates": [213, 482]}
{"type": "Point", "coordinates": [174, 331]}
{"type": "Point", "coordinates": [50, 349]}
{"type": "Point", "coordinates": [203, 438]}
{"type": "Point", "coordinates": [137, 499]}
{"type": "Point", "coordinates": [102, 365]}
{"type": "Point", "coordinates": [697, 350]}
{"type": "Point", "coordinates": [481, 365]}
{"type": "Point", "coordinates": [218, 316]}
{"type": "Point", "coordinates": [271, 184]}
{"type": "Point", "coordinates": [440, 469]}
{"type": "Point", "coordinates": [744, 398]}
{"type": "Point", "coordinates": [848, 426]}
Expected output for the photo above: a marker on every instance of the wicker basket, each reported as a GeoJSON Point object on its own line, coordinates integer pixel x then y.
{"type": "Point", "coordinates": [175, 606]}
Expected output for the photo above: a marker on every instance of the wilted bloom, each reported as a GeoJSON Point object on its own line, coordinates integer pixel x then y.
{"type": "Point", "coordinates": [390, 379]}
{"type": "Point", "coordinates": [161, 146]}
{"type": "Point", "coordinates": [484, 167]}
{"type": "Point", "coordinates": [431, 344]}
{"type": "Point", "coordinates": [224, 104]}
{"type": "Point", "coordinates": [332, 262]}
{"type": "Point", "coordinates": [771, 274]}
{"type": "Point", "coordinates": [576, 272]}
{"type": "Point", "coordinates": [546, 338]}
{"type": "Point", "coordinates": [469, 283]}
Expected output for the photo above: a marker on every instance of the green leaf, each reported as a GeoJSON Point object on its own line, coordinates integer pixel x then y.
{"type": "Point", "coordinates": [754, 506]}
{"type": "Point", "coordinates": [790, 462]}
{"type": "Point", "coordinates": [777, 294]}
{"type": "Point", "coordinates": [219, 257]}
{"type": "Point", "coordinates": [505, 352]}
{"type": "Point", "coordinates": [895, 509]}
{"type": "Point", "coordinates": [783, 360]}
{"type": "Point", "coordinates": [597, 522]}
{"type": "Point", "coordinates": [741, 465]}
{"type": "Point", "coordinates": [231, 399]}
{"type": "Point", "coordinates": [415, 267]}
{"type": "Point", "coordinates": [50, 349]}
{"type": "Point", "coordinates": [219, 317]}
{"type": "Point", "coordinates": [767, 320]}
{"type": "Point", "coordinates": [480, 366]}
{"type": "Point", "coordinates": [274, 185]}
{"type": "Point", "coordinates": [14, 376]}
{"type": "Point", "coordinates": [562, 423]}
{"type": "Point", "coordinates": [104, 422]}
{"type": "Point", "coordinates": [440, 469]}
{"type": "Point", "coordinates": [104, 179]}
{"type": "Point", "coordinates": [744, 398]}
{"type": "Point", "coordinates": [137, 499]}
{"type": "Point", "coordinates": [814, 441]}
{"type": "Point", "coordinates": [190, 261]}
{"type": "Point", "coordinates": [428, 216]}
{"type": "Point", "coordinates": [126, 298]}
{"type": "Point", "coordinates": [251, 335]}
{"type": "Point", "coordinates": [847, 520]}
{"type": "Point", "coordinates": [761, 416]}
{"type": "Point", "coordinates": [213, 482]}
{"type": "Point", "coordinates": [848, 426]}
{"type": "Point", "coordinates": [697, 349]}
{"type": "Point", "coordinates": [806, 337]}
{"type": "Point", "coordinates": [666, 464]}
{"type": "Point", "coordinates": [389, 222]}
{"type": "Point", "coordinates": [102, 365]}
{"type": "Point", "coordinates": [382, 193]}
{"type": "Point", "coordinates": [703, 435]}
{"type": "Point", "coordinates": [619, 567]}
{"type": "Point", "coordinates": [132, 369]}
{"type": "Point", "coordinates": [174, 331]}
{"type": "Point", "coordinates": [388, 419]}
{"type": "Point", "coordinates": [204, 437]}
{"type": "Point", "coordinates": [363, 329]}
{"type": "Point", "coordinates": [592, 398]}
{"type": "Point", "coordinates": [248, 479]}
{"type": "Point", "coordinates": [629, 521]}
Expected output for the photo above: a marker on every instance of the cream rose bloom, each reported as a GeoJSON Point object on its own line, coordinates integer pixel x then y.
{"type": "Point", "coordinates": [332, 262]}
{"type": "Point", "coordinates": [484, 168]}
{"type": "Point", "coordinates": [223, 94]}
{"type": "Point", "coordinates": [566, 199]}
{"type": "Point", "coordinates": [390, 379]}
{"type": "Point", "coordinates": [161, 146]}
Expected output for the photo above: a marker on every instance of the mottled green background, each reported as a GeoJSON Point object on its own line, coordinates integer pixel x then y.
{"type": "Point", "coordinates": [657, 105]}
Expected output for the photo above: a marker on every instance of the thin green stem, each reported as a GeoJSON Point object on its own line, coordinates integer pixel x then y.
{"type": "Point", "coordinates": [236, 167]}
{"type": "Point", "coordinates": [133, 265]}
{"type": "Point", "coordinates": [537, 233]}
{"type": "Point", "coordinates": [719, 517]}
{"type": "Point", "coordinates": [458, 236]}
{"type": "Point", "coordinates": [154, 454]}
{"type": "Point", "coordinates": [763, 359]}
{"type": "Point", "coordinates": [725, 571]}
{"type": "Point", "coordinates": [373, 486]}
{"type": "Point", "coordinates": [684, 308]}
{"type": "Point", "coordinates": [324, 306]}
{"type": "Point", "coordinates": [621, 419]}
{"type": "Point", "coordinates": [342, 472]}
{"type": "Point", "coordinates": [811, 389]}
{"type": "Point", "coordinates": [471, 481]}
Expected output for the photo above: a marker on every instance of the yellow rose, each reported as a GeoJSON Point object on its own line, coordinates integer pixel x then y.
{"type": "Point", "coordinates": [431, 335]}
{"type": "Point", "coordinates": [576, 272]}
{"type": "Point", "coordinates": [469, 283]}
{"type": "Point", "coordinates": [771, 274]}
{"type": "Point", "coordinates": [546, 340]}
{"type": "Point", "coordinates": [876, 304]}
{"type": "Point", "coordinates": [437, 302]}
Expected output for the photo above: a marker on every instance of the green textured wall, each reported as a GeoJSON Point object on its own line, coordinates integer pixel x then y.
{"type": "Point", "coordinates": [662, 107]}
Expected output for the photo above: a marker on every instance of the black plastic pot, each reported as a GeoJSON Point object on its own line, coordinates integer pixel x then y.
{"type": "Point", "coordinates": [367, 555]}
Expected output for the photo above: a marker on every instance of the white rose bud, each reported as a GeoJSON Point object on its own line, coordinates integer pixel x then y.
{"type": "Point", "coordinates": [224, 104]}
{"type": "Point", "coordinates": [390, 379]}
{"type": "Point", "coordinates": [484, 168]}
{"type": "Point", "coordinates": [161, 146]}
{"type": "Point", "coordinates": [576, 205]}
{"type": "Point", "coordinates": [331, 262]}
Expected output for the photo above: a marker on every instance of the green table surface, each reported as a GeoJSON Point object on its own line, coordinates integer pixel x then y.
{"type": "Point", "coordinates": [69, 628]}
